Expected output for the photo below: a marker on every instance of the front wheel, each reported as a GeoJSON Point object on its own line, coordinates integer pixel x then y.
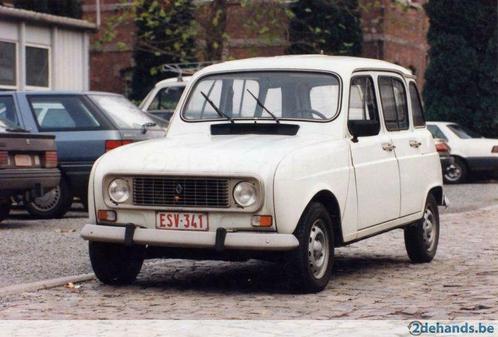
{"type": "Point", "coordinates": [116, 264]}
{"type": "Point", "coordinates": [53, 204]}
{"type": "Point", "coordinates": [311, 263]}
{"type": "Point", "coordinates": [422, 237]}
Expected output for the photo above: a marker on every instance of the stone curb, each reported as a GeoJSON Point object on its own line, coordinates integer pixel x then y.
{"type": "Point", "coordinates": [45, 284]}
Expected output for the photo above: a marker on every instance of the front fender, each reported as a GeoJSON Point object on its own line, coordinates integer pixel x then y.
{"type": "Point", "coordinates": [305, 172]}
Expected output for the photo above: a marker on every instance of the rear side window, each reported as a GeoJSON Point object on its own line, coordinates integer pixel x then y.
{"type": "Point", "coordinates": [394, 103]}
{"type": "Point", "coordinates": [8, 110]}
{"type": "Point", "coordinates": [436, 132]}
{"type": "Point", "coordinates": [64, 113]}
{"type": "Point", "coordinates": [417, 109]}
{"type": "Point", "coordinates": [166, 99]}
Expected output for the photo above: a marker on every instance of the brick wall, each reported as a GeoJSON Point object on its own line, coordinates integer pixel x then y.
{"type": "Point", "coordinates": [393, 30]}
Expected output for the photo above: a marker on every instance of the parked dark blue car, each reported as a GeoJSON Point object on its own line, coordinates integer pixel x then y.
{"type": "Point", "coordinates": [85, 125]}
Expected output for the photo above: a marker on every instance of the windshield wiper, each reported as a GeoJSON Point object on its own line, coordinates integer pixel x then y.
{"type": "Point", "coordinates": [218, 111]}
{"type": "Point", "coordinates": [264, 108]}
{"type": "Point", "coordinates": [147, 125]}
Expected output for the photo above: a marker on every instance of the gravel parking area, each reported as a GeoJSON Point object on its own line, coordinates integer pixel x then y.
{"type": "Point", "coordinates": [373, 279]}
{"type": "Point", "coordinates": [33, 250]}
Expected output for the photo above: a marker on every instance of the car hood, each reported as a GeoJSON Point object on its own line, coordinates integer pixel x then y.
{"type": "Point", "coordinates": [199, 154]}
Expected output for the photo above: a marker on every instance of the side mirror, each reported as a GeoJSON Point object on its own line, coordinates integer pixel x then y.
{"type": "Point", "coordinates": [363, 128]}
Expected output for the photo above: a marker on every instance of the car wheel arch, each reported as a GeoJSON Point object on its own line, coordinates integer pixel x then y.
{"type": "Point", "coordinates": [329, 200]}
{"type": "Point", "coordinates": [437, 193]}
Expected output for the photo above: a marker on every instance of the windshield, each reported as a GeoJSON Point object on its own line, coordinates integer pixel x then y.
{"type": "Point", "coordinates": [123, 112]}
{"type": "Point", "coordinates": [286, 95]}
{"type": "Point", "coordinates": [462, 132]}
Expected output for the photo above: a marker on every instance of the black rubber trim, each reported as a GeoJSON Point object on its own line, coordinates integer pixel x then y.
{"type": "Point", "coordinates": [239, 128]}
{"type": "Point", "coordinates": [129, 232]}
{"type": "Point", "coordinates": [221, 234]}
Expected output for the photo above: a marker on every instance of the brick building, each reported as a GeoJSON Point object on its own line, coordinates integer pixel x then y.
{"type": "Point", "coordinates": [393, 30]}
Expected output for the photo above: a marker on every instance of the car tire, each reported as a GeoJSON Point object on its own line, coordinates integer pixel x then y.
{"type": "Point", "coordinates": [53, 204]}
{"type": "Point", "coordinates": [116, 264]}
{"type": "Point", "coordinates": [457, 174]}
{"type": "Point", "coordinates": [422, 237]}
{"type": "Point", "coordinates": [4, 210]}
{"type": "Point", "coordinates": [310, 265]}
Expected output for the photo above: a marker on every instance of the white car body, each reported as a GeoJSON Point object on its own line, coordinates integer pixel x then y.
{"type": "Point", "coordinates": [372, 185]}
{"type": "Point", "coordinates": [477, 153]}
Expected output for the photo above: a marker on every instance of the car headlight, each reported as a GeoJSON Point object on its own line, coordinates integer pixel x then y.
{"type": "Point", "coordinates": [119, 191]}
{"type": "Point", "coordinates": [244, 194]}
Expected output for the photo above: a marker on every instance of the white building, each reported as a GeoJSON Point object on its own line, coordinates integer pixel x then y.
{"type": "Point", "coordinates": [42, 51]}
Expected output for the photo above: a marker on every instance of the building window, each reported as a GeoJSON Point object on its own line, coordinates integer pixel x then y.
{"type": "Point", "coordinates": [7, 64]}
{"type": "Point", "coordinates": [37, 67]}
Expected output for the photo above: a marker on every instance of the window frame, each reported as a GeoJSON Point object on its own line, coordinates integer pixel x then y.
{"type": "Point", "coordinates": [102, 120]}
{"type": "Point", "coordinates": [190, 89]}
{"type": "Point", "coordinates": [393, 78]}
{"type": "Point", "coordinates": [371, 77]}
{"type": "Point", "coordinates": [16, 65]}
{"type": "Point", "coordinates": [49, 56]}
{"type": "Point", "coordinates": [414, 84]}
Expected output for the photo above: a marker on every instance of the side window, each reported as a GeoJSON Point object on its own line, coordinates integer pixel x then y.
{"type": "Point", "coordinates": [63, 113]}
{"type": "Point", "coordinates": [436, 132]}
{"type": "Point", "coordinates": [394, 104]}
{"type": "Point", "coordinates": [418, 110]}
{"type": "Point", "coordinates": [8, 110]}
{"type": "Point", "coordinates": [362, 102]}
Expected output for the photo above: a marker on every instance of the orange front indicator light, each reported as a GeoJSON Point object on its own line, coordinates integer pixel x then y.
{"type": "Point", "coordinates": [262, 221]}
{"type": "Point", "coordinates": [106, 215]}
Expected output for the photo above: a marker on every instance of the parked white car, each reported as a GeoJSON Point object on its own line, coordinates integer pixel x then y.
{"type": "Point", "coordinates": [162, 100]}
{"type": "Point", "coordinates": [472, 152]}
{"type": "Point", "coordinates": [285, 157]}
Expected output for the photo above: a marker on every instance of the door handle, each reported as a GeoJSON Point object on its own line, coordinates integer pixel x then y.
{"type": "Point", "coordinates": [388, 147]}
{"type": "Point", "coordinates": [415, 143]}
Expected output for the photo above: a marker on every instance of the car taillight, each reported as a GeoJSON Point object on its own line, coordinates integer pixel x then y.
{"type": "Point", "coordinates": [442, 147]}
{"type": "Point", "coordinates": [494, 149]}
{"type": "Point", "coordinates": [51, 159]}
{"type": "Point", "coordinates": [114, 143]}
{"type": "Point", "coordinates": [4, 159]}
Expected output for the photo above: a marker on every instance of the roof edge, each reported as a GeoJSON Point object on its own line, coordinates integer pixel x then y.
{"type": "Point", "coordinates": [31, 16]}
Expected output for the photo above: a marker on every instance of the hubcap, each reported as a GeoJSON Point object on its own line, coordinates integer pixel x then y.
{"type": "Point", "coordinates": [318, 249]}
{"type": "Point", "coordinates": [429, 229]}
{"type": "Point", "coordinates": [47, 201]}
{"type": "Point", "coordinates": [453, 173]}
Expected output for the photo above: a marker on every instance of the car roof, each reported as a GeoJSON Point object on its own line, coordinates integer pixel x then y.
{"type": "Point", "coordinates": [339, 64]}
{"type": "Point", "coordinates": [57, 92]}
{"type": "Point", "coordinates": [174, 80]}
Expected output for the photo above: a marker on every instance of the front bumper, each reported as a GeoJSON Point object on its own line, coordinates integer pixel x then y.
{"type": "Point", "coordinates": [185, 239]}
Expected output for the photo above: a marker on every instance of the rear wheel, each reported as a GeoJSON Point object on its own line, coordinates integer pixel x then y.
{"type": "Point", "coordinates": [422, 237]}
{"type": "Point", "coordinates": [456, 173]}
{"type": "Point", "coordinates": [310, 265]}
{"type": "Point", "coordinates": [53, 204]}
{"type": "Point", "coordinates": [116, 264]}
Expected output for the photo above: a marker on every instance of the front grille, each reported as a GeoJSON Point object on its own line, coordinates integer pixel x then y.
{"type": "Point", "coordinates": [180, 191]}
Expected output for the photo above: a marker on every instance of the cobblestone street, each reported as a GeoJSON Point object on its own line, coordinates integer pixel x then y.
{"type": "Point", "coordinates": [373, 279]}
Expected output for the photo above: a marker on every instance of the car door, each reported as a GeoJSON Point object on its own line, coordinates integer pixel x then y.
{"type": "Point", "coordinates": [374, 161]}
{"type": "Point", "coordinates": [408, 144]}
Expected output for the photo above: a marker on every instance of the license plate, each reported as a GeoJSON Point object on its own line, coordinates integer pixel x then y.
{"type": "Point", "coordinates": [182, 221]}
{"type": "Point", "coordinates": [23, 160]}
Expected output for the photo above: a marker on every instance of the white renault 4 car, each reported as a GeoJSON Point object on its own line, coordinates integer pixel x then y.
{"type": "Point", "coordinates": [284, 157]}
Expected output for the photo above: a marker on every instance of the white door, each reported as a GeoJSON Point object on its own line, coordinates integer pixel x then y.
{"type": "Point", "coordinates": [408, 143]}
{"type": "Point", "coordinates": [374, 160]}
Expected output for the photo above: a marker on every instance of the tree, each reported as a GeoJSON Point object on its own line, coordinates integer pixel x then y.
{"type": "Point", "coordinates": [329, 26]}
{"type": "Point", "coordinates": [211, 29]}
{"type": "Point", "coordinates": [70, 8]}
{"type": "Point", "coordinates": [165, 34]}
{"type": "Point", "coordinates": [461, 75]}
